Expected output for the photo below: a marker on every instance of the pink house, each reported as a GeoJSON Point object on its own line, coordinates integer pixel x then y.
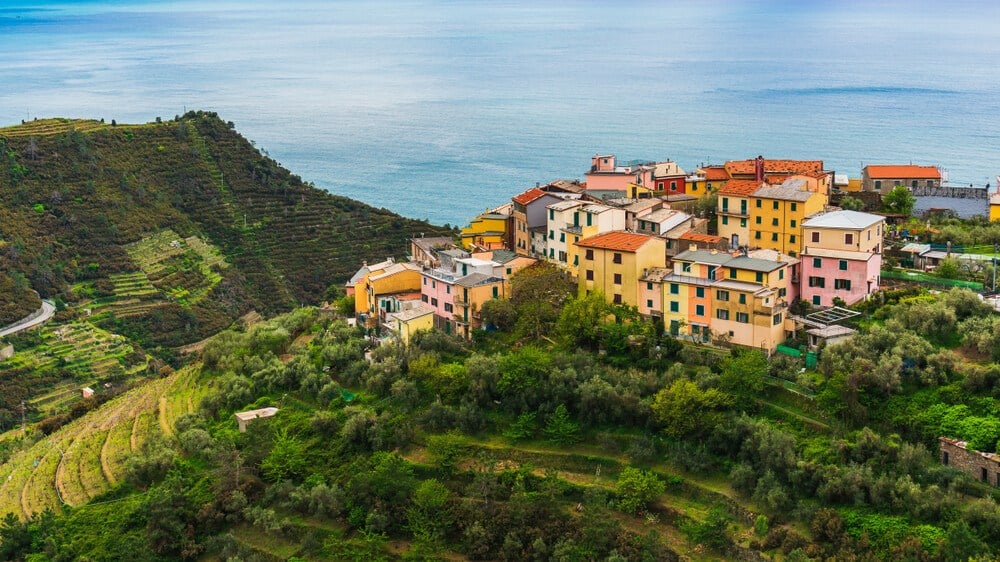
{"type": "Point", "coordinates": [841, 257]}
{"type": "Point", "coordinates": [606, 175]}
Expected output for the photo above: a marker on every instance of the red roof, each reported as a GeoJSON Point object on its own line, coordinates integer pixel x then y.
{"type": "Point", "coordinates": [715, 173]}
{"type": "Point", "coordinates": [746, 167]}
{"type": "Point", "coordinates": [696, 237]}
{"type": "Point", "coordinates": [622, 241]}
{"type": "Point", "coordinates": [741, 188]}
{"type": "Point", "coordinates": [528, 196]}
{"type": "Point", "coordinates": [903, 171]}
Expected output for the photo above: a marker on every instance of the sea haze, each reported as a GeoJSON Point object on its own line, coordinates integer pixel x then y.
{"type": "Point", "coordinates": [440, 109]}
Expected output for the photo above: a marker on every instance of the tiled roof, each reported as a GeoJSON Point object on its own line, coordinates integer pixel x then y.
{"type": "Point", "coordinates": [843, 219]}
{"type": "Point", "coordinates": [715, 173]}
{"type": "Point", "coordinates": [528, 196]}
{"type": "Point", "coordinates": [740, 188]}
{"type": "Point", "coordinates": [744, 167]}
{"type": "Point", "coordinates": [903, 171]}
{"type": "Point", "coordinates": [696, 237]}
{"type": "Point", "coordinates": [623, 241]}
{"type": "Point", "coordinates": [783, 193]}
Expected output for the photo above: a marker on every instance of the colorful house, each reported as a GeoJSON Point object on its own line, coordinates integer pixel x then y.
{"type": "Point", "coordinates": [742, 298]}
{"type": "Point", "coordinates": [995, 203]}
{"type": "Point", "coordinates": [668, 178]}
{"type": "Point", "coordinates": [425, 250]}
{"type": "Point", "coordinates": [490, 230]}
{"type": "Point", "coordinates": [377, 290]}
{"type": "Point", "coordinates": [777, 212]}
{"type": "Point", "coordinates": [733, 210]}
{"type": "Point", "coordinates": [529, 212]}
{"type": "Point", "coordinates": [614, 262]}
{"type": "Point", "coordinates": [842, 257]}
{"type": "Point", "coordinates": [456, 290]}
{"type": "Point", "coordinates": [403, 324]}
{"type": "Point", "coordinates": [883, 178]}
{"type": "Point", "coordinates": [606, 175]}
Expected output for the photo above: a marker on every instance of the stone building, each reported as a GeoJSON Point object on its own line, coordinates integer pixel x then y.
{"type": "Point", "coordinates": [984, 467]}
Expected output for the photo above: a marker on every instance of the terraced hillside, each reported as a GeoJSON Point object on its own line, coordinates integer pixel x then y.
{"type": "Point", "coordinates": [83, 459]}
{"type": "Point", "coordinates": [94, 208]}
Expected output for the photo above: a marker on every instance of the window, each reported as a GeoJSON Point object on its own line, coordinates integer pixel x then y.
{"type": "Point", "coordinates": [743, 223]}
{"type": "Point", "coordinates": [842, 284]}
{"type": "Point", "coordinates": [794, 208]}
{"type": "Point", "coordinates": [675, 289]}
{"type": "Point", "coordinates": [897, 183]}
{"type": "Point", "coordinates": [618, 278]}
{"type": "Point", "coordinates": [699, 292]}
{"type": "Point", "coordinates": [756, 235]}
{"type": "Point", "coordinates": [791, 238]}
{"type": "Point", "coordinates": [552, 253]}
{"type": "Point", "coordinates": [711, 271]}
{"type": "Point", "coordinates": [914, 184]}
{"type": "Point", "coordinates": [781, 274]}
{"type": "Point", "coordinates": [659, 185]}
{"type": "Point", "coordinates": [743, 207]}
{"type": "Point", "coordinates": [447, 289]}
{"type": "Point", "coordinates": [552, 235]}
{"type": "Point", "coordinates": [849, 238]}
{"type": "Point", "coordinates": [590, 218]}
{"type": "Point", "coordinates": [423, 298]}
{"type": "Point", "coordinates": [589, 255]}
{"type": "Point", "coordinates": [552, 214]}
{"type": "Point", "coordinates": [758, 203]}
{"type": "Point", "coordinates": [434, 302]}
{"type": "Point", "coordinates": [618, 298]}
{"type": "Point", "coordinates": [743, 298]}
{"type": "Point", "coordinates": [699, 310]}
{"type": "Point", "coordinates": [617, 258]}
{"type": "Point", "coordinates": [673, 186]}
{"type": "Point", "coordinates": [722, 314]}
{"type": "Point", "coordinates": [562, 236]}
{"type": "Point", "coordinates": [725, 204]}
{"type": "Point", "coordinates": [576, 260]}
{"type": "Point", "coordinates": [732, 273]}
{"type": "Point", "coordinates": [590, 275]}
{"type": "Point", "coordinates": [686, 267]}
{"type": "Point", "coordinates": [722, 295]}
{"type": "Point", "coordinates": [674, 306]}
{"type": "Point", "coordinates": [774, 205]}
{"type": "Point", "coordinates": [774, 222]}
{"type": "Point", "coordinates": [776, 319]}
{"type": "Point", "coordinates": [817, 262]}
{"type": "Point", "coordinates": [496, 292]}
{"type": "Point", "coordinates": [816, 300]}
{"type": "Point", "coordinates": [742, 317]}
{"type": "Point", "coordinates": [782, 292]}
{"type": "Point", "coordinates": [649, 303]}
{"type": "Point", "coordinates": [760, 277]}
{"type": "Point", "coordinates": [757, 220]}
{"type": "Point", "coordinates": [817, 282]}
{"type": "Point", "coordinates": [878, 184]}
{"type": "Point", "coordinates": [425, 280]}
{"type": "Point", "coordinates": [774, 237]}
{"type": "Point", "coordinates": [725, 219]}
{"type": "Point", "coordinates": [930, 183]}
{"type": "Point", "coordinates": [815, 237]}
{"type": "Point", "coordinates": [793, 223]}
{"type": "Point", "coordinates": [649, 286]}
{"type": "Point", "coordinates": [843, 265]}
{"type": "Point", "coordinates": [448, 307]}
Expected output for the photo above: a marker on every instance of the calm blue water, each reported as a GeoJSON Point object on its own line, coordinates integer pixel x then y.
{"type": "Point", "coordinates": [439, 109]}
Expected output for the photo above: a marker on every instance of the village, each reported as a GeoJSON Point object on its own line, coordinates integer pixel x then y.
{"type": "Point", "coordinates": [778, 258]}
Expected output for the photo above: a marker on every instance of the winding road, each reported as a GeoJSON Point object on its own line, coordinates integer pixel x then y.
{"type": "Point", "coordinates": [37, 318]}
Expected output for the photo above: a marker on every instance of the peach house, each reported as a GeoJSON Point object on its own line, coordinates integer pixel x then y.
{"type": "Point", "coordinates": [606, 175]}
{"type": "Point", "coordinates": [842, 256]}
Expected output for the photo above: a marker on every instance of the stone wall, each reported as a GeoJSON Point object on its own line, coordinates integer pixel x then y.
{"type": "Point", "coordinates": [953, 192]}
{"type": "Point", "coordinates": [984, 467]}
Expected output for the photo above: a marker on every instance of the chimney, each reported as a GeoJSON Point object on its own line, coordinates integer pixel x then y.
{"type": "Point", "coordinates": [692, 247]}
{"type": "Point", "coordinates": [758, 168]}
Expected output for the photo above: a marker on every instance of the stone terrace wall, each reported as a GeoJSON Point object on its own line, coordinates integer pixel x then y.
{"type": "Point", "coordinates": [955, 454]}
{"type": "Point", "coordinates": [954, 192]}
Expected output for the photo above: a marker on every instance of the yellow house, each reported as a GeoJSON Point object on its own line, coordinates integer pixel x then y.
{"type": "Point", "coordinates": [777, 213]}
{"type": "Point", "coordinates": [740, 298]}
{"type": "Point", "coordinates": [405, 323]}
{"type": "Point", "coordinates": [471, 292]}
{"type": "Point", "coordinates": [488, 231]}
{"type": "Point", "coordinates": [733, 210]}
{"type": "Point", "coordinates": [375, 286]}
{"type": "Point", "coordinates": [995, 206]}
{"type": "Point", "coordinates": [614, 262]}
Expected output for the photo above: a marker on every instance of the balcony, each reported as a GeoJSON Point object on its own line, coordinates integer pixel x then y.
{"type": "Point", "coordinates": [459, 301]}
{"type": "Point", "coordinates": [733, 212]}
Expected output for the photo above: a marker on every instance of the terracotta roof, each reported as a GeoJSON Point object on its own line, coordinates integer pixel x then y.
{"type": "Point", "coordinates": [696, 237]}
{"type": "Point", "coordinates": [623, 241]}
{"type": "Point", "coordinates": [742, 188]}
{"type": "Point", "coordinates": [903, 171]}
{"type": "Point", "coordinates": [745, 167]}
{"type": "Point", "coordinates": [715, 173]}
{"type": "Point", "coordinates": [528, 196]}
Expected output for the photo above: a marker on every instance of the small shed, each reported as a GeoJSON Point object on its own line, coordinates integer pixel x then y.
{"type": "Point", "coordinates": [88, 392]}
{"type": "Point", "coordinates": [244, 418]}
{"type": "Point", "coordinates": [831, 335]}
{"type": "Point", "coordinates": [984, 467]}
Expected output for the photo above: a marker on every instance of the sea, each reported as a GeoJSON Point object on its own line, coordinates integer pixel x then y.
{"type": "Point", "coordinates": [441, 109]}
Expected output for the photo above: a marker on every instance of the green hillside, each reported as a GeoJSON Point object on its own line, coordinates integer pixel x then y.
{"type": "Point", "coordinates": [89, 210]}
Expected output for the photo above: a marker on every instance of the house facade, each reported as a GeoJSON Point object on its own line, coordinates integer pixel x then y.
{"type": "Point", "coordinates": [984, 467]}
{"type": "Point", "coordinates": [883, 178]}
{"type": "Point", "coordinates": [614, 262]}
{"type": "Point", "coordinates": [842, 256]}
{"type": "Point", "coordinates": [733, 210]}
{"type": "Point", "coordinates": [529, 212]}
{"type": "Point", "coordinates": [491, 229]}
{"type": "Point", "coordinates": [777, 212]}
